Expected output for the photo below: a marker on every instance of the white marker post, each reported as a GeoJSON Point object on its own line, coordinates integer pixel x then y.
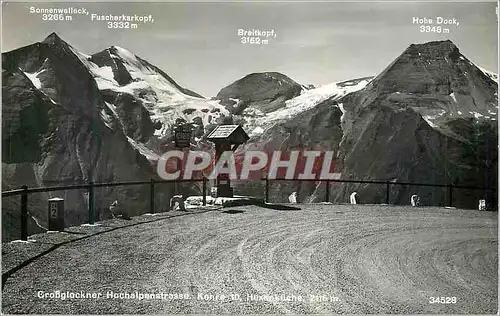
{"type": "Point", "coordinates": [482, 205]}
{"type": "Point", "coordinates": [353, 198]}
{"type": "Point", "coordinates": [415, 200]}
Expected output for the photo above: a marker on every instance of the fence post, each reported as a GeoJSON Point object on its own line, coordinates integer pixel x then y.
{"type": "Point", "coordinates": [152, 196]}
{"type": "Point", "coordinates": [24, 213]}
{"type": "Point", "coordinates": [327, 191]}
{"type": "Point", "coordinates": [267, 191]}
{"type": "Point", "coordinates": [91, 202]}
{"type": "Point", "coordinates": [450, 195]}
{"type": "Point", "coordinates": [387, 184]}
{"type": "Point", "coordinates": [204, 191]}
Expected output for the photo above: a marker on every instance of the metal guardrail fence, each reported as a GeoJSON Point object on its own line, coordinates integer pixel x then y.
{"type": "Point", "coordinates": [386, 183]}
{"type": "Point", "coordinates": [25, 191]}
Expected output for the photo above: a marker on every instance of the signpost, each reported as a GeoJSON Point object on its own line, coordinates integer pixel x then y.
{"type": "Point", "coordinates": [182, 137]}
{"type": "Point", "coordinates": [226, 138]}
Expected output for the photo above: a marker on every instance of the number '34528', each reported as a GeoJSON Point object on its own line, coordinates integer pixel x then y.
{"type": "Point", "coordinates": [442, 300]}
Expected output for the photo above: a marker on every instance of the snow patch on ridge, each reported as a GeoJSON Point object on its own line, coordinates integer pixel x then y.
{"type": "Point", "coordinates": [33, 77]}
{"type": "Point", "coordinates": [430, 118]}
{"type": "Point", "coordinates": [431, 124]}
{"type": "Point", "coordinates": [53, 102]}
{"type": "Point", "coordinates": [342, 109]}
{"type": "Point", "coordinates": [309, 99]}
{"type": "Point", "coordinates": [493, 76]}
{"type": "Point", "coordinates": [128, 57]}
{"type": "Point", "coordinates": [112, 107]}
{"type": "Point", "coordinates": [256, 131]}
{"type": "Point", "coordinates": [108, 119]}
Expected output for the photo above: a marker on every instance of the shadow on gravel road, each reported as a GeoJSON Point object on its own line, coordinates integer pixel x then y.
{"type": "Point", "coordinates": [261, 203]}
{"type": "Point", "coordinates": [280, 207]}
{"type": "Point", "coordinates": [233, 211]}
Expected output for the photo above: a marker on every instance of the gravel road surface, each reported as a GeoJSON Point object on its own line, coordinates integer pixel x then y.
{"type": "Point", "coordinates": [322, 259]}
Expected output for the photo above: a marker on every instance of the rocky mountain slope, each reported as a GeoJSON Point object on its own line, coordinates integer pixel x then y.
{"type": "Point", "coordinates": [430, 116]}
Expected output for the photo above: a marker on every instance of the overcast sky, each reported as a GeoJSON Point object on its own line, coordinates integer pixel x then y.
{"type": "Point", "coordinates": [316, 42]}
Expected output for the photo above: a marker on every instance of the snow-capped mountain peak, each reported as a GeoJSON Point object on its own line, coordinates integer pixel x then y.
{"type": "Point", "coordinates": [127, 57]}
{"type": "Point", "coordinates": [117, 71]}
{"type": "Point", "coordinates": [257, 121]}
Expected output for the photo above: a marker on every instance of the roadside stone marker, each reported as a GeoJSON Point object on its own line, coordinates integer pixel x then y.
{"type": "Point", "coordinates": [177, 203]}
{"type": "Point", "coordinates": [56, 214]}
{"type": "Point", "coordinates": [415, 200]}
{"type": "Point", "coordinates": [482, 205]}
{"type": "Point", "coordinates": [353, 197]}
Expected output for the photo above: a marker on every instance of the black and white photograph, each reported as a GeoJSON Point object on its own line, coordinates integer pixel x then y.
{"type": "Point", "coordinates": [249, 157]}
